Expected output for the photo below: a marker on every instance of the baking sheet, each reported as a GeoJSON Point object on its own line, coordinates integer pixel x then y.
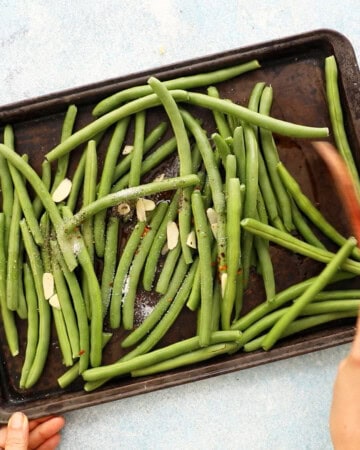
{"type": "Point", "coordinates": [294, 68]}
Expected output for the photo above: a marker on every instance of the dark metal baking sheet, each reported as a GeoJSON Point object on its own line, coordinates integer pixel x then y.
{"type": "Point", "coordinates": [294, 67]}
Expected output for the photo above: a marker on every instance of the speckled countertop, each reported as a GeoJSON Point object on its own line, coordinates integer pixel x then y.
{"type": "Point", "coordinates": [50, 45]}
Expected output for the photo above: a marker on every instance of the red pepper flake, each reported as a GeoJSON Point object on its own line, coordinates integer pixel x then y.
{"type": "Point", "coordinates": [146, 230]}
{"type": "Point", "coordinates": [222, 268]}
{"type": "Point", "coordinates": [82, 352]}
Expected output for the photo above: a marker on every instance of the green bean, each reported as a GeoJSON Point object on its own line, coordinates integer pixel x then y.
{"type": "Point", "coordinates": [291, 243]}
{"type": "Point", "coordinates": [71, 374]}
{"type": "Point", "coordinates": [128, 194]}
{"type": "Point", "coordinates": [220, 120]}
{"type": "Point", "coordinates": [215, 183]}
{"type": "Point", "coordinates": [254, 100]}
{"type": "Point", "coordinates": [46, 179]}
{"type": "Point", "coordinates": [168, 269]}
{"type": "Point", "coordinates": [271, 158]}
{"type": "Point", "coordinates": [121, 275]}
{"type": "Point", "coordinates": [151, 139]}
{"type": "Point", "coordinates": [184, 154]}
{"type": "Point", "coordinates": [33, 324]}
{"type": "Point", "coordinates": [308, 208]}
{"type": "Point", "coordinates": [206, 279]}
{"type": "Point", "coordinates": [34, 180]}
{"type": "Point", "coordinates": [233, 250]}
{"type": "Point", "coordinates": [22, 306]}
{"type": "Point", "coordinates": [137, 152]}
{"type": "Point", "coordinates": [193, 302]}
{"type": "Point", "coordinates": [106, 179]}
{"type": "Point", "coordinates": [303, 228]}
{"type": "Point", "coordinates": [158, 243]}
{"type": "Point", "coordinates": [25, 203]}
{"type": "Point", "coordinates": [239, 152]}
{"type": "Point", "coordinates": [79, 306]}
{"type": "Point", "coordinates": [221, 146]}
{"type": "Point", "coordinates": [194, 357]}
{"type": "Point", "coordinates": [156, 356]}
{"type": "Point", "coordinates": [322, 280]}
{"type": "Point", "coordinates": [336, 117]}
{"type": "Point", "coordinates": [162, 327]}
{"type": "Point", "coordinates": [110, 255]}
{"type": "Point", "coordinates": [42, 348]}
{"type": "Point", "coordinates": [8, 318]}
{"type": "Point", "coordinates": [280, 299]}
{"type": "Point", "coordinates": [266, 266]}
{"type": "Point", "coordinates": [66, 131]}
{"type": "Point", "coordinates": [252, 177]}
{"type": "Point", "coordinates": [96, 322]}
{"type": "Point", "coordinates": [13, 256]}
{"type": "Point", "coordinates": [149, 163]}
{"type": "Point", "coordinates": [160, 308]}
{"type": "Point", "coordinates": [338, 294]}
{"type": "Point", "coordinates": [328, 306]}
{"type": "Point", "coordinates": [7, 187]}
{"type": "Point", "coordinates": [67, 310]}
{"type": "Point", "coordinates": [138, 264]}
{"type": "Point", "coordinates": [216, 308]}
{"type": "Point", "coordinates": [186, 82]}
{"type": "Point", "coordinates": [301, 325]}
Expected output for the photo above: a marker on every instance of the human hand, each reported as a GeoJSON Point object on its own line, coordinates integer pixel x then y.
{"type": "Point", "coordinates": [345, 408]}
{"type": "Point", "coordinates": [40, 434]}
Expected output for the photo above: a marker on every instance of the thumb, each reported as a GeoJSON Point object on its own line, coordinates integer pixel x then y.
{"type": "Point", "coordinates": [17, 432]}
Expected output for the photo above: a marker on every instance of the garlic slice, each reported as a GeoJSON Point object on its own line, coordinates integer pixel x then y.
{"type": "Point", "coordinates": [123, 209]}
{"type": "Point", "coordinates": [140, 210]}
{"type": "Point", "coordinates": [54, 301]}
{"type": "Point", "coordinates": [159, 177]}
{"type": "Point", "coordinates": [48, 285]}
{"type": "Point", "coordinates": [149, 205]}
{"type": "Point", "coordinates": [127, 149]}
{"type": "Point", "coordinates": [62, 191]}
{"type": "Point", "coordinates": [191, 239]}
{"type": "Point", "coordinates": [223, 283]}
{"type": "Point", "coordinates": [172, 234]}
{"type": "Point", "coordinates": [212, 217]}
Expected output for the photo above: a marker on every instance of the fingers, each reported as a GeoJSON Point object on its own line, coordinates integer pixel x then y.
{"type": "Point", "coordinates": [35, 422]}
{"type": "Point", "coordinates": [51, 443]}
{"type": "Point", "coordinates": [17, 432]}
{"type": "Point", "coordinates": [45, 431]}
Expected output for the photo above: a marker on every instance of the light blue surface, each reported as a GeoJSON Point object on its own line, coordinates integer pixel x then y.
{"type": "Point", "coordinates": [50, 45]}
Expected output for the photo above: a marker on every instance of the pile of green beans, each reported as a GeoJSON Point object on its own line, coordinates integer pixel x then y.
{"type": "Point", "coordinates": [224, 190]}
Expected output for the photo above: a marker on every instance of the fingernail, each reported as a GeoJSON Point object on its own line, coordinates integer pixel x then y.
{"type": "Point", "coordinates": [17, 420]}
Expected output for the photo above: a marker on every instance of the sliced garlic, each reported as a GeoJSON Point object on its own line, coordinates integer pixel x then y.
{"type": "Point", "coordinates": [149, 205]}
{"type": "Point", "coordinates": [172, 234]}
{"type": "Point", "coordinates": [54, 301]}
{"type": "Point", "coordinates": [159, 177]}
{"type": "Point", "coordinates": [165, 249]}
{"type": "Point", "coordinates": [140, 210]}
{"type": "Point", "coordinates": [123, 209]}
{"type": "Point", "coordinates": [48, 285]}
{"type": "Point", "coordinates": [191, 239]}
{"type": "Point", "coordinates": [212, 217]}
{"type": "Point", "coordinates": [127, 149]}
{"type": "Point", "coordinates": [223, 283]}
{"type": "Point", "coordinates": [62, 191]}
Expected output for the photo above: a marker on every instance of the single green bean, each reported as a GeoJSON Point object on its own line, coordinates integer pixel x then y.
{"type": "Point", "coordinates": [220, 120]}
{"type": "Point", "coordinates": [168, 269]}
{"type": "Point", "coordinates": [7, 186]}
{"type": "Point", "coordinates": [266, 266]}
{"type": "Point", "coordinates": [186, 82]}
{"type": "Point", "coordinates": [159, 242]}
{"type": "Point", "coordinates": [66, 131]}
{"type": "Point", "coordinates": [137, 152]}
{"type": "Point", "coordinates": [303, 227]}
{"type": "Point", "coordinates": [42, 348]}
{"type": "Point", "coordinates": [184, 153]}
{"type": "Point", "coordinates": [21, 310]}
{"type": "Point", "coordinates": [121, 274]}
{"type": "Point", "coordinates": [160, 308]}
{"type": "Point", "coordinates": [138, 264]}
{"type": "Point", "coordinates": [194, 357]}
{"type": "Point", "coordinates": [106, 180]}
{"type": "Point", "coordinates": [32, 333]}
{"type": "Point", "coordinates": [221, 146]}
{"type": "Point", "coordinates": [239, 152]}
{"type": "Point", "coordinates": [38, 206]}
{"type": "Point", "coordinates": [206, 277]}
{"type": "Point", "coordinates": [291, 243]}
{"type": "Point", "coordinates": [110, 256]}
{"type": "Point", "coordinates": [128, 194]}
{"type": "Point", "coordinates": [13, 256]}
{"type": "Point", "coordinates": [337, 119]}
{"type": "Point", "coordinates": [322, 280]}
{"type": "Point", "coordinates": [233, 250]}
{"type": "Point", "coordinates": [8, 318]}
